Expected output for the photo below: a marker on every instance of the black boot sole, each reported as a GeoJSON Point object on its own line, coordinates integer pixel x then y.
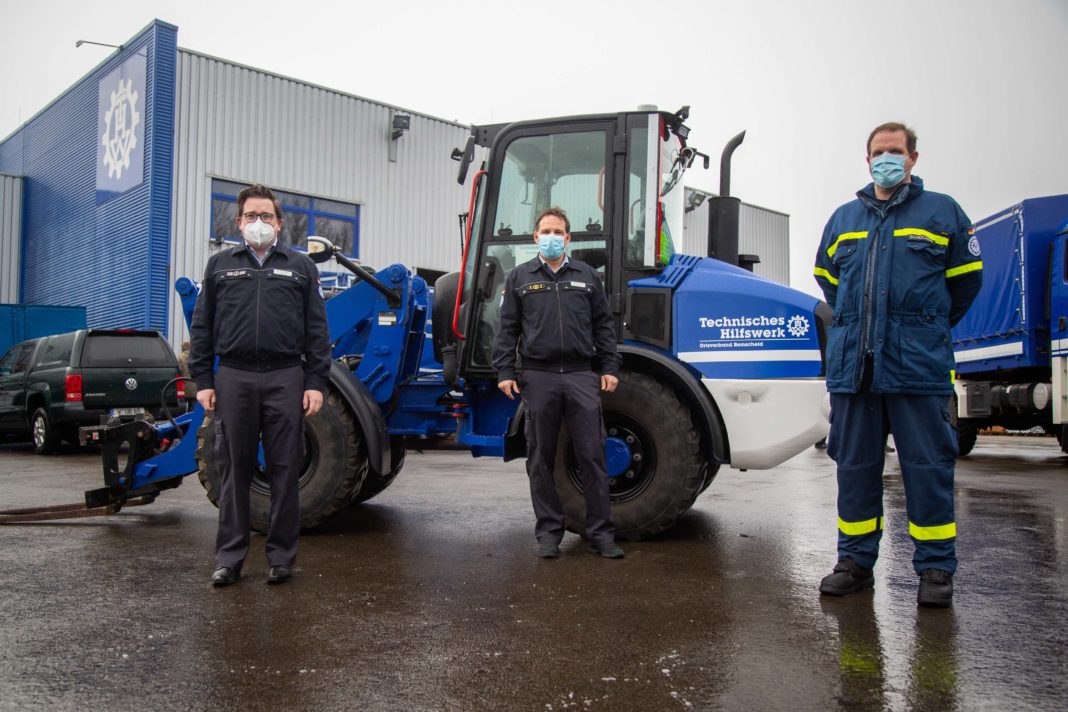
{"type": "Point", "coordinates": [839, 592]}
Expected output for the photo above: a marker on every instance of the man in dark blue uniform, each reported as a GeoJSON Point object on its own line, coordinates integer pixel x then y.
{"type": "Point", "coordinates": [900, 266]}
{"type": "Point", "coordinates": [261, 311]}
{"type": "Point", "coordinates": [554, 311]}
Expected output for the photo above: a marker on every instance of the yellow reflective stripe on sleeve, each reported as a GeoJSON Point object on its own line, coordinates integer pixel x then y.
{"type": "Point", "coordinates": [860, 528]}
{"type": "Point", "coordinates": [820, 272]}
{"type": "Point", "coordinates": [919, 232]}
{"type": "Point", "coordinates": [941, 532]}
{"type": "Point", "coordinates": [846, 236]}
{"type": "Point", "coordinates": [964, 269]}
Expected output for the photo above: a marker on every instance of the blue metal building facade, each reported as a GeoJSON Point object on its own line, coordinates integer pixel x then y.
{"type": "Point", "coordinates": [96, 206]}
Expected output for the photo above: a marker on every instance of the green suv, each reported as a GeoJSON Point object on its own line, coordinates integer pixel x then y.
{"type": "Point", "coordinates": [52, 385]}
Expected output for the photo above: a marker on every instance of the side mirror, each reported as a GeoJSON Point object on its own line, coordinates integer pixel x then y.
{"type": "Point", "coordinates": [464, 157]}
{"type": "Point", "coordinates": [320, 249]}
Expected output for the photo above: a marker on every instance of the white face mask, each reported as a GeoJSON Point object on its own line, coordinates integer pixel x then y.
{"type": "Point", "coordinates": [259, 234]}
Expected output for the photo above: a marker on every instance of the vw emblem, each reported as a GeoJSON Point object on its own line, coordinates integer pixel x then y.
{"type": "Point", "coordinates": [131, 384]}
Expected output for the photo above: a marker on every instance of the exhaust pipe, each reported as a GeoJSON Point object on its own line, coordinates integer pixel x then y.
{"type": "Point", "coordinates": [723, 211]}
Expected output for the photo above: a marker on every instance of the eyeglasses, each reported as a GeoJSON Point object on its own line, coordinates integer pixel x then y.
{"type": "Point", "coordinates": [265, 217]}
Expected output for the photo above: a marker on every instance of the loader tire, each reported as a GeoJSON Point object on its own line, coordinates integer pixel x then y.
{"type": "Point", "coordinates": [334, 466]}
{"type": "Point", "coordinates": [375, 483]}
{"type": "Point", "coordinates": [664, 479]}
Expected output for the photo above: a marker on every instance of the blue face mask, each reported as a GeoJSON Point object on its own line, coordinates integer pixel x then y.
{"type": "Point", "coordinates": [888, 169]}
{"type": "Point", "coordinates": [551, 246]}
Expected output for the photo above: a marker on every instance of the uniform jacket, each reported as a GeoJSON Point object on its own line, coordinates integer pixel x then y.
{"type": "Point", "coordinates": [560, 322]}
{"type": "Point", "coordinates": [260, 318]}
{"type": "Point", "coordinates": [898, 275]}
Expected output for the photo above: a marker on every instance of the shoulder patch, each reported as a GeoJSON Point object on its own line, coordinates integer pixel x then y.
{"type": "Point", "coordinates": [973, 245]}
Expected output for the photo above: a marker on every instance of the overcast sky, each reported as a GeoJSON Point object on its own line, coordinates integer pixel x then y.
{"type": "Point", "coordinates": [982, 81]}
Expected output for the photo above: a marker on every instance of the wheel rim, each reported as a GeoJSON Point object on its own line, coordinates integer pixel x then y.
{"type": "Point", "coordinates": [40, 430]}
{"type": "Point", "coordinates": [262, 485]}
{"type": "Point", "coordinates": [627, 441]}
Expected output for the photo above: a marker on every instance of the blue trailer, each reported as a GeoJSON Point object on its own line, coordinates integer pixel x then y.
{"type": "Point", "coordinates": [1011, 347]}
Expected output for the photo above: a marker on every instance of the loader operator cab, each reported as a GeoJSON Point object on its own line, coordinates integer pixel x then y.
{"type": "Point", "coordinates": [619, 179]}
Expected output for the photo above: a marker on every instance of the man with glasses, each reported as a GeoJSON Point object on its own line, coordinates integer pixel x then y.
{"type": "Point", "coordinates": [261, 311]}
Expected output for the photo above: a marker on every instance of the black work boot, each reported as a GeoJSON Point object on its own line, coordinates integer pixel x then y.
{"type": "Point", "coordinates": [936, 589]}
{"type": "Point", "coordinates": [848, 577]}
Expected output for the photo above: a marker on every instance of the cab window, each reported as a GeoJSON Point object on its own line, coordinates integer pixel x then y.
{"type": "Point", "coordinates": [560, 170]}
{"type": "Point", "coordinates": [19, 359]}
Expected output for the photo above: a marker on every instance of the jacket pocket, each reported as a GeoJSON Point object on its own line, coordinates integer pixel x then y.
{"type": "Point", "coordinates": [925, 356]}
{"type": "Point", "coordinates": [284, 289]}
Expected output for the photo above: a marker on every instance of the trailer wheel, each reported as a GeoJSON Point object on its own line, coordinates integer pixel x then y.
{"type": "Point", "coordinates": [966, 434]}
{"type": "Point", "coordinates": [334, 466]}
{"type": "Point", "coordinates": [654, 460]}
{"type": "Point", "coordinates": [375, 483]}
{"type": "Point", "coordinates": [46, 437]}
{"type": "Point", "coordinates": [966, 437]}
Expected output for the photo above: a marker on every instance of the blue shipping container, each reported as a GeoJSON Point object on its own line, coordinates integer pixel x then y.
{"type": "Point", "coordinates": [19, 322]}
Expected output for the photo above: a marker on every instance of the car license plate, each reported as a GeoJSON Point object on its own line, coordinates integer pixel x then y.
{"type": "Point", "coordinates": [123, 412]}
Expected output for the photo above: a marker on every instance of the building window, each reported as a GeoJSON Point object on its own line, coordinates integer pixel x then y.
{"type": "Point", "coordinates": [303, 215]}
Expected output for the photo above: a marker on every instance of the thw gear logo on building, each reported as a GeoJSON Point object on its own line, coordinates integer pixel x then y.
{"type": "Point", "coordinates": [797, 325]}
{"type": "Point", "coordinates": [120, 129]}
{"type": "Point", "coordinates": [122, 109]}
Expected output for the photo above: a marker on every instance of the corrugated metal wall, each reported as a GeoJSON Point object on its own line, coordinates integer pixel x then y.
{"type": "Point", "coordinates": [109, 257]}
{"type": "Point", "coordinates": [761, 232]}
{"type": "Point", "coordinates": [10, 237]}
{"type": "Point", "coordinates": [242, 124]}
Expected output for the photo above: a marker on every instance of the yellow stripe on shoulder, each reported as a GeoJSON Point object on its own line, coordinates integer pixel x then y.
{"type": "Point", "coordinates": [859, 235]}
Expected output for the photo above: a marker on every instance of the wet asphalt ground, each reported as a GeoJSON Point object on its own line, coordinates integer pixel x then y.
{"type": "Point", "coordinates": [429, 597]}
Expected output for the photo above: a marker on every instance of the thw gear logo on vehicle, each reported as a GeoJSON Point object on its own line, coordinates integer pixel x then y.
{"type": "Point", "coordinates": [120, 124]}
{"type": "Point", "coordinates": [797, 326]}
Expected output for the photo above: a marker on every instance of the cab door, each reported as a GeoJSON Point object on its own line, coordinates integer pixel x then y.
{"type": "Point", "coordinates": [534, 166]}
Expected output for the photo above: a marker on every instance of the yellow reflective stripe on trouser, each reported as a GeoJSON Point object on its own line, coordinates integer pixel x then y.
{"type": "Point", "coordinates": [939, 533]}
{"type": "Point", "coordinates": [860, 528]}
{"type": "Point", "coordinates": [920, 232]}
{"type": "Point", "coordinates": [846, 236]}
{"type": "Point", "coordinates": [964, 269]}
{"type": "Point", "coordinates": [820, 272]}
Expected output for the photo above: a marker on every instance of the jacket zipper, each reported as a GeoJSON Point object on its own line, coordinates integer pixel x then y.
{"type": "Point", "coordinates": [560, 318]}
{"type": "Point", "coordinates": [868, 322]}
{"type": "Point", "coordinates": [259, 289]}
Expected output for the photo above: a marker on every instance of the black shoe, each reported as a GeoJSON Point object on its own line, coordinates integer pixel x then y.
{"type": "Point", "coordinates": [848, 577]}
{"type": "Point", "coordinates": [279, 574]}
{"type": "Point", "coordinates": [609, 550]}
{"type": "Point", "coordinates": [936, 589]}
{"type": "Point", "coordinates": [548, 550]}
{"type": "Point", "coordinates": [224, 576]}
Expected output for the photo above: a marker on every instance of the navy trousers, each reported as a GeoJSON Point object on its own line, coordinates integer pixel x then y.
{"type": "Point", "coordinates": [574, 400]}
{"type": "Point", "coordinates": [927, 449]}
{"type": "Point", "coordinates": [248, 404]}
